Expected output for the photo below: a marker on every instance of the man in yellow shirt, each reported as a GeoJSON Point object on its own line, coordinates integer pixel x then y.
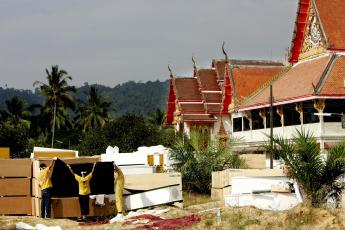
{"type": "Point", "coordinates": [119, 185]}
{"type": "Point", "coordinates": [44, 182]}
{"type": "Point", "coordinates": [84, 189]}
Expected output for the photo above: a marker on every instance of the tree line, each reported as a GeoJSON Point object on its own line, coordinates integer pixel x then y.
{"type": "Point", "coordinates": [87, 124]}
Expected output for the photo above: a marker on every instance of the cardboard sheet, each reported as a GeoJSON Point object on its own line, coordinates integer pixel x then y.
{"type": "Point", "coordinates": [15, 168]}
{"type": "Point", "coordinates": [15, 187]}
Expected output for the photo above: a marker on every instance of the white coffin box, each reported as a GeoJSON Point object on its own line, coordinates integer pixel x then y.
{"type": "Point", "coordinates": [248, 185]}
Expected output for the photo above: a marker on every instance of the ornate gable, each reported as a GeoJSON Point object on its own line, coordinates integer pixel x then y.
{"type": "Point", "coordinates": [314, 41]}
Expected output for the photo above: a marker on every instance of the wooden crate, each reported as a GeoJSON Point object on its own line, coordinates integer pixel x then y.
{"type": "Point", "coordinates": [254, 161]}
{"type": "Point", "coordinates": [220, 193]}
{"type": "Point", "coordinates": [69, 207]}
{"type": "Point", "coordinates": [15, 168]}
{"type": "Point", "coordinates": [35, 189]}
{"type": "Point", "coordinates": [145, 182]}
{"type": "Point", "coordinates": [62, 154]}
{"type": "Point", "coordinates": [221, 179]}
{"type": "Point", "coordinates": [16, 206]}
{"type": "Point", "coordinates": [15, 187]}
{"type": "Point", "coordinates": [47, 161]}
{"type": "Point", "coordinates": [4, 153]}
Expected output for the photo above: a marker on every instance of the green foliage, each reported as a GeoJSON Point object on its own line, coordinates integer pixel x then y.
{"type": "Point", "coordinates": [15, 136]}
{"type": "Point", "coordinates": [318, 176]}
{"type": "Point", "coordinates": [95, 112]}
{"type": "Point", "coordinates": [196, 159]}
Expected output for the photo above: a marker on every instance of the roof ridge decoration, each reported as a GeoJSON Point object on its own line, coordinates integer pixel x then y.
{"type": "Point", "coordinates": [266, 85]}
{"type": "Point", "coordinates": [325, 74]}
{"type": "Point", "coordinates": [298, 34]}
{"type": "Point", "coordinates": [314, 43]}
{"type": "Point", "coordinates": [170, 71]}
{"type": "Point", "coordinates": [195, 68]}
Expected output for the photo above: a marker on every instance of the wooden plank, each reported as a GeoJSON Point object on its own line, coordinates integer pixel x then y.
{"type": "Point", "coordinates": [221, 179]}
{"type": "Point", "coordinates": [220, 193]}
{"type": "Point", "coordinates": [37, 155]}
{"type": "Point", "coordinates": [15, 187]}
{"type": "Point", "coordinates": [4, 152]}
{"type": "Point", "coordinates": [145, 182]}
{"type": "Point", "coordinates": [47, 161]}
{"type": "Point", "coordinates": [154, 197]}
{"type": "Point", "coordinates": [16, 205]}
{"type": "Point", "coordinates": [35, 189]}
{"type": "Point", "coordinates": [69, 207]}
{"type": "Point", "coordinates": [254, 161]}
{"type": "Point", "coordinates": [15, 168]}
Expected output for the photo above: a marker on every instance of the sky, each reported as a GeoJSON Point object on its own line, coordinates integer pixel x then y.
{"type": "Point", "coordinates": [110, 42]}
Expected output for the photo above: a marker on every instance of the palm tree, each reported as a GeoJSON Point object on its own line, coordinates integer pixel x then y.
{"type": "Point", "coordinates": [57, 93]}
{"type": "Point", "coordinates": [16, 111]}
{"type": "Point", "coordinates": [95, 111]}
{"type": "Point", "coordinates": [317, 175]}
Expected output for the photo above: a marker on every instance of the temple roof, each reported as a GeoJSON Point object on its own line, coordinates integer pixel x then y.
{"type": "Point", "coordinates": [332, 16]}
{"type": "Point", "coordinates": [187, 89]}
{"type": "Point", "coordinates": [249, 79]}
{"type": "Point", "coordinates": [296, 84]}
{"type": "Point", "coordinates": [192, 108]}
{"type": "Point", "coordinates": [199, 118]}
{"type": "Point", "coordinates": [208, 79]}
{"type": "Point", "coordinates": [334, 81]}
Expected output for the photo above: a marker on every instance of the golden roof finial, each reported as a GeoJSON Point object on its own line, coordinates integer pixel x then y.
{"type": "Point", "coordinates": [226, 55]}
{"type": "Point", "coordinates": [170, 71]}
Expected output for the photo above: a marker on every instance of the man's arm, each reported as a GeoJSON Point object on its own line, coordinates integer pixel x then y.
{"type": "Point", "coordinates": [93, 168]}
{"type": "Point", "coordinates": [70, 169]}
{"type": "Point", "coordinates": [51, 167]}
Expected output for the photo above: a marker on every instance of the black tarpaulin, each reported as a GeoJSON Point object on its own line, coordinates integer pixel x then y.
{"type": "Point", "coordinates": [65, 185]}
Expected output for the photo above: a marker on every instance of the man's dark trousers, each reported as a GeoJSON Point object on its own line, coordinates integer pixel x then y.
{"type": "Point", "coordinates": [45, 203]}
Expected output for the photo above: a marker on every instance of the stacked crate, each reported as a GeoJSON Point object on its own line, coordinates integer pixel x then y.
{"type": "Point", "coordinates": [221, 184]}
{"type": "Point", "coordinates": [64, 207]}
{"type": "Point", "coordinates": [15, 187]}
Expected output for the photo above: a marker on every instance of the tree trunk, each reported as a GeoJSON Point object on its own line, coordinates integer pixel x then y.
{"type": "Point", "coordinates": [53, 126]}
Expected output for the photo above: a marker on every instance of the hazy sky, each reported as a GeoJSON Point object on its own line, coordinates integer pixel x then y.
{"type": "Point", "coordinates": [111, 42]}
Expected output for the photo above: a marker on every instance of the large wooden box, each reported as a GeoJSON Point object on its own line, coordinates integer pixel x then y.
{"type": "Point", "coordinates": [15, 187]}
{"type": "Point", "coordinates": [4, 152]}
{"type": "Point", "coordinates": [15, 168]}
{"type": "Point", "coordinates": [220, 193]}
{"type": "Point", "coordinates": [16, 206]}
{"type": "Point", "coordinates": [145, 182]}
{"type": "Point", "coordinates": [69, 207]}
{"type": "Point", "coordinates": [48, 161]}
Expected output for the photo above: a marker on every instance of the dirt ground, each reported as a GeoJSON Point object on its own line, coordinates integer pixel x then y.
{"type": "Point", "coordinates": [301, 217]}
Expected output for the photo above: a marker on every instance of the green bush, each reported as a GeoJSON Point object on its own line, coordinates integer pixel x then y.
{"type": "Point", "coordinates": [196, 158]}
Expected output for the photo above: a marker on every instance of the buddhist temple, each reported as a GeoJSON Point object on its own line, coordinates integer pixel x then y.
{"type": "Point", "coordinates": [233, 96]}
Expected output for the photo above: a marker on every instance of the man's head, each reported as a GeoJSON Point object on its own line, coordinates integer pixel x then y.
{"type": "Point", "coordinates": [43, 166]}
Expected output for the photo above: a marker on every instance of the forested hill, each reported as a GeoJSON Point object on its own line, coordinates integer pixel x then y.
{"type": "Point", "coordinates": [130, 97]}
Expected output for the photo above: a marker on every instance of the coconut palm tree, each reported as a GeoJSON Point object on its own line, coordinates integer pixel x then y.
{"type": "Point", "coordinates": [57, 93]}
{"type": "Point", "coordinates": [318, 175]}
{"type": "Point", "coordinates": [95, 111]}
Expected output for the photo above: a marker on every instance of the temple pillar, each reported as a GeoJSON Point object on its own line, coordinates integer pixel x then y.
{"type": "Point", "coordinates": [248, 115]}
{"type": "Point", "coordinates": [280, 112]}
{"type": "Point", "coordinates": [299, 109]}
{"type": "Point", "coordinates": [262, 114]}
{"type": "Point", "coordinates": [319, 105]}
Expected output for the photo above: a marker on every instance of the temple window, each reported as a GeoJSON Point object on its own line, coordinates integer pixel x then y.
{"type": "Point", "coordinates": [246, 124]}
{"type": "Point", "coordinates": [308, 113]}
{"type": "Point", "coordinates": [257, 120]}
{"type": "Point", "coordinates": [237, 122]}
{"type": "Point", "coordinates": [334, 106]}
{"type": "Point", "coordinates": [291, 116]}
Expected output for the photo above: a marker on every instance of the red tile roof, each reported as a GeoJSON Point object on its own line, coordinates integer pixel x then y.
{"type": "Point", "coordinates": [208, 79]}
{"type": "Point", "coordinates": [214, 108]}
{"type": "Point", "coordinates": [187, 89]}
{"type": "Point", "coordinates": [213, 97]}
{"type": "Point", "coordinates": [192, 108]}
{"type": "Point", "coordinates": [332, 16]}
{"type": "Point", "coordinates": [296, 83]}
{"type": "Point", "coordinates": [199, 118]}
{"type": "Point", "coordinates": [248, 79]}
{"type": "Point", "coordinates": [334, 83]}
